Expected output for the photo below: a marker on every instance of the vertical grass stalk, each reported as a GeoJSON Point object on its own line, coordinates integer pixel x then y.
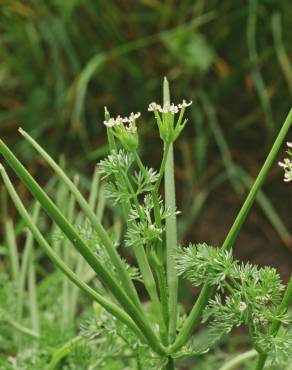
{"type": "Point", "coordinates": [171, 230]}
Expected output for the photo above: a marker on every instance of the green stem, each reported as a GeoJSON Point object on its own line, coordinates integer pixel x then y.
{"type": "Point", "coordinates": [233, 364]}
{"type": "Point", "coordinates": [170, 230]}
{"type": "Point", "coordinates": [143, 263]}
{"type": "Point", "coordinates": [234, 231]}
{"type": "Point", "coordinates": [275, 326]}
{"type": "Point", "coordinates": [160, 271]}
{"type": "Point", "coordinates": [66, 307]}
{"type": "Point", "coordinates": [23, 329]}
{"type": "Point", "coordinates": [106, 278]}
{"type": "Point", "coordinates": [166, 147]}
{"type": "Point", "coordinates": [26, 260]}
{"type": "Point", "coordinates": [63, 351]}
{"type": "Point", "coordinates": [170, 364]}
{"type": "Point", "coordinates": [105, 239]}
{"type": "Point", "coordinates": [12, 249]}
{"type": "Point", "coordinates": [32, 295]}
{"type": "Point", "coordinates": [206, 292]}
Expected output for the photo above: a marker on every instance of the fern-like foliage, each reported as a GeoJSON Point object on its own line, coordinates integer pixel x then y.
{"type": "Point", "coordinates": [245, 295]}
{"type": "Point", "coordinates": [116, 162]}
{"type": "Point", "coordinates": [200, 263]}
{"type": "Point", "coordinates": [122, 184]}
{"type": "Point", "coordinates": [113, 344]}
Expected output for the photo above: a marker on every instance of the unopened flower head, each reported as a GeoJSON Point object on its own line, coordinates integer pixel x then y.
{"type": "Point", "coordinates": [286, 164]}
{"type": "Point", "coordinates": [169, 129]}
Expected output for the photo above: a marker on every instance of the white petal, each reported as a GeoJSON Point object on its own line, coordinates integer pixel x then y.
{"type": "Point", "coordinates": [109, 123]}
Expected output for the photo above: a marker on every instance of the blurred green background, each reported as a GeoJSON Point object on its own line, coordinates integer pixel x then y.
{"type": "Point", "coordinates": [61, 62]}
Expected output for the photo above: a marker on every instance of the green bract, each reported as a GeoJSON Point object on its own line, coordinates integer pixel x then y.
{"type": "Point", "coordinates": [124, 128]}
{"type": "Point", "coordinates": [170, 126]}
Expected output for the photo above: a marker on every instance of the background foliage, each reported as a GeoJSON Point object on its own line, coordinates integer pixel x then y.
{"type": "Point", "coordinates": [61, 62]}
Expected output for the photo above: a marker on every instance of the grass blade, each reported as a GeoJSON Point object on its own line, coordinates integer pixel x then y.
{"type": "Point", "coordinates": [106, 241]}
{"type": "Point", "coordinates": [83, 249]}
{"type": "Point", "coordinates": [108, 305]}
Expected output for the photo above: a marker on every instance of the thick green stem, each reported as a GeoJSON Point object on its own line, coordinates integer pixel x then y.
{"type": "Point", "coordinates": [171, 231]}
{"type": "Point", "coordinates": [195, 314]}
{"type": "Point", "coordinates": [170, 364]}
{"type": "Point", "coordinates": [275, 326]}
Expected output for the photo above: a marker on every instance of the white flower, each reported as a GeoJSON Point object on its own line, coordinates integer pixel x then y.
{"type": "Point", "coordinates": [153, 106]}
{"type": "Point", "coordinates": [168, 108]}
{"type": "Point", "coordinates": [288, 176]}
{"type": "Point", "coordinates": [110, 122]}
{"type": "Point", "coordinates": [184, 104]}
{"type": "Point", "coordinates": [132, 117]}
{"type": "Point", "coordinates": [120, 120]}
{"type": "Point", "coordinates": [286, 164]}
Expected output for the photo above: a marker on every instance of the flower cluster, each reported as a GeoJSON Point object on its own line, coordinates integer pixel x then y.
{"type": "Point", "coordinates": [122, 120]}
{"type": "Point", "coordinates": [287, 165]}
{"type": "Point", "coordinates": [124, 128]}
{"type": "Point", "coordinates": [169, 128]}
{"type": "Point", "coordinates": [168, 108]}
